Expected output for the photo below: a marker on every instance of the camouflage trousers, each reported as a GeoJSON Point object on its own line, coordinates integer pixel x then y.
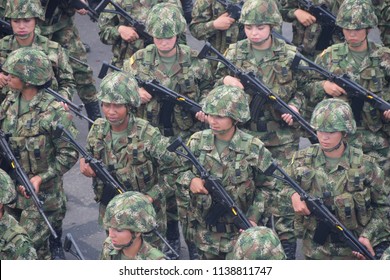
{"type": "Point", "coordinates": [69, 38]}
{"type": "Point", "coordinates": [36, 228]}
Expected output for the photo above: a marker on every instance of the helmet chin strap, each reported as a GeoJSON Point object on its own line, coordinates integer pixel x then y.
{"type": "Point", "coordinates": [334, 148]}
{"type": "Point", "coordinates": [127, 245]}
{"type": "Point", "coordinates": [224, 131]}
{"type": "Point", "coordinates": [357, 44]}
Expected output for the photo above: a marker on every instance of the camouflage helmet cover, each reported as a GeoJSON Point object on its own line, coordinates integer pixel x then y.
{"type": "Point", "coordinates": [227, 101]}
{"type": "Point", "coordinates": [119, 88]}
{"type": "Point", "coordinates": [356, 14]}
{"type": "Point", "coordinates": [165, 20]}
{"type": "Point", "coordinates": [30, 65]}
{"type": "Point", "coordinates": [260, 12]}
{"type": "Point", "coordinates": [131, 211]}
{"type": "Point", "coordinates": [333, 115]}
{"type": "Point", "coordinates": [258, 243]}
{"type": "Point", "coordinates": [24, 9]}
{"type": "Point", "coordinates": [7, 188]}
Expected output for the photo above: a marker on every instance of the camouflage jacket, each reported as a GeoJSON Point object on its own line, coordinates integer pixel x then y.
{"type": "Point", "coordinates": [204, 13]}
{"type": "Point", "coordinates": [275, 71]}
{"type": "Point", "coordinates": [141, 163]}
{"type": "Point", "coordinates": [146, 252]}
{"type": "Point", "coordinates": [15, 244]}
{"type": "Point", "coordinates": [189, 76]}
{"type": "Point", "coordinates": [64, 81]}
{"type": "Point", "coordinates": [240, 168]}
{"type": "Point", "coordinates": [61, 17]}
{"type": "Point", "coordinates": [38, 151]}
{"type": "Point", "coordinates": [373, 74]}
{"type": "Point", "coordinates": [354, 191]}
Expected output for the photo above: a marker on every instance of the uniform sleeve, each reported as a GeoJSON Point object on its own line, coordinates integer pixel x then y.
{"type": "Point", "coordinates": [108, 27]}
{"type": "Point", "coordinates": [66, 82]}
{"type": "Point", "coordinates": [205, 78]}
{"type": "Point", "coordinates": [201, 26]}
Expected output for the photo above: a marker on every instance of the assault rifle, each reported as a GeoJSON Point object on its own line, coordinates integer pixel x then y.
{"type": "Point", "coordinates": [327, 221]}
{"type": "Point", "coordinates": [234, 11]}
{"type": "Point", "coordinates": [5, 27]}
{"type": "Point", "coordinates": [77, 4]}
{"type": "Point", "coordinates": [222, 203]}
{"type": "Point", "coordinates": [259, 88]}
{"type": "Point", "coordinates": [68, 243]}
{"type": "Point", "coordinates": [97, 166]}
{"type": "Point", "coordinates": [22, 178]}
{"type": "Point", "coordinates": [326, 19]}
{"type": "Point", "coordinates": [138, 26]}
{"type": "Point", "coordinates": [357, 93]}
{"type": "Point", "coordinates": [73, 107]}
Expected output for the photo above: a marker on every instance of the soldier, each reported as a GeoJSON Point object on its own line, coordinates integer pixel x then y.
{"type": "Point", "coordinates": [30, 116]}
{"type": "Point", "coordinates": [270, 60]}
{"type": "Point", "coordinates": [133, 150]}
{"type": "Point", "coordinates": [59, 26]}
{"type": "Point", "coordinates": [115, 31]}
{"type": "Point", "coordinates": [15, 244]}
{"type": "Point", "coordinates": [257, 243]}
{"type": "Point", "coordinates": [177, 67]}
{"type": "Point", "coordinates": [212, 23]}
{"type": "Point", "coordinates": [349, 182]}
{"type": "Point", "coordinates": [128, 217]}
{"type": "Point", "coordinates": [24, 15]}
{"type": "Point", "coordinates": [308, 34]}
{"type": "Point", "coordinates": [382, 11]}
{"type": "Point", "coordinates": [237, 159]}
{"type": "Point", "coordinates": [367, 64]}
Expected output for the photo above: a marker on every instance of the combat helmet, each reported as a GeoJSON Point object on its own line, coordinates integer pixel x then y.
{"type": "Point", "coordinates": [7, 188]}
{"type": "Point", "coordinates": [260, 12]}
{"type": "Point", "coordinates": [227, 101]}
{"type": "Point", "coordinates": [119, 88]}
{"type": "Point", "coordinates": [332, 115]}
{"type": "Point", "coordinates": [30, 65]}
{"type": "Point", "coordinates": [24, 9]}
{"type": "Point", "coordinates": [257, 243]}
{"type": "Point", "coordinates": [165, 21]}
{"type": "Point", "coordinates": [356, 14]}
{"type": "Point", "coordinates": [132, 211]}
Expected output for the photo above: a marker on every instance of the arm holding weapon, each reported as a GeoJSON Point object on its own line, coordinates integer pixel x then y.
{"type": "Point", "coordinates": [78, 5]}
{"type": "Point", "coordinates": [222, 203]}
{"type": "Point", "coordinates": [323, 214]}
{"type": "Point", "coordinates": [249, 80]}
{"type": "Point", "coordinates": [22, 177]}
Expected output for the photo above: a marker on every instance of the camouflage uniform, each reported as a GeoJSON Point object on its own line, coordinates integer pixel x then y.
{"type": "Point", "coordinates": [275, 71]}
{"type": "Point", "coordinates": [386, 254]}
{"type": "Point", "coordinates": [2, 13]}
{"type": "Point", "coordinates": [39, 153]}
{"type": "Point", "coordinates": [257, 243]}
{"type": "Point", "coordinates": [188, 76]}
{"type": "Point", "coordinates": [130, 211]}
{"type": "Point", "coordinates": [140, 161]}
{"type": "Point", "coordinates": [64, 81]}
{"type": "Point", "coordinates": [109, 23]}
{"type": "Point", "coordinates": [372, 73]}
{"type": "Point", "coordinates": [353, 189]}
{"type": "Point", "coordinates": [240, 168]}
{"type": "Point", "coordinates": [382, 11]}
{"type": "Point", "coordinates": [308, 37]}
{"type": "Point", "coordinates": [15, 244]}
{"type": "Point", "coordinates": [60, 28]}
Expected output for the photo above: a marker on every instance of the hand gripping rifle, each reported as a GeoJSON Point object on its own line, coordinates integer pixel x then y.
{"type": "Point", "coordinates": [327, 221]}
{"type": "Point", "coordinates": [138, 26]}
{"type": "Point", "coordinates": [259, 88]}
{"type": "Point", "coordinates": [326, 19]}
{"type": "Point", "coordinates": [357, 93]}
{"type": "Point", "coordinates": [77, 109]}
{"type": "Point", "coordinates": [77, 4]}
{"type": "Point", "coordinates": [234, 11]}
{"type": "Point", "coordinates": [222, 203]}
{"type": "Point", "coordinates": [96, 165]}
{"type": "Point", "coordinates": [68, 243]}
{"type": "Point", "coordinates": [22, 178]}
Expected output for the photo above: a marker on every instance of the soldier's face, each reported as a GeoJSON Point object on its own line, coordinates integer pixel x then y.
{"type": "Point", "coordinates": [220, 125]}
{"type": "Point", "coordinates": [116, 114]}
{"type": "Point", "coordinates": [24, 27]}
{"type": "Point", "coordinates": [258, 34]}
{"type": "Point", "coordinates": [166, 46]}
{"type": "Point", "coordinates": [329, 140]}
{"type": "Point", "coordinates": [119, 238]}
{"type": "Point", "coordinates": [355, 37]}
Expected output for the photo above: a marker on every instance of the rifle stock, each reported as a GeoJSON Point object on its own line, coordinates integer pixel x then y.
{"type": "Point", "coordinates": [250, 81]}
{"type": "Point", "coordinates": [23, 179]}
{"type": "Point", "coordinates": [68, 243]}
{"type": "Point", "coordinates": [223, 203]}
{"type": "Point", "coordinates": [322, 213]}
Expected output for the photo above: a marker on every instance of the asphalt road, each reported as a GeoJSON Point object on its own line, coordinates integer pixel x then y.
{"type": "Point", "coordinates": [82, 214]}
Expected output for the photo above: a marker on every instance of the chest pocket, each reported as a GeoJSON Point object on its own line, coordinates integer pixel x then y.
{"type": "Point", "coordinates": [282, 73]}
{"type": "Point", "coordinates": [373, 79]}
{"type": "Point", "coordinates": [305, 177]}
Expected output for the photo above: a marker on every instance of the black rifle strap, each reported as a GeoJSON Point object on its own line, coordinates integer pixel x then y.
{"type": "Point", "coordinates": [166, 117]}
